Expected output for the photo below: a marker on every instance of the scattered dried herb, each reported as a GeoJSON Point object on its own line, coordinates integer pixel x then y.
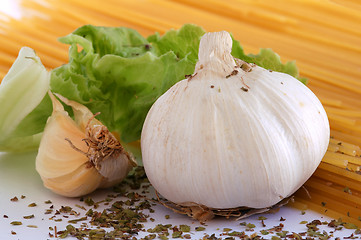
{"type": "Point", "coordinates": [184, 228]}
{"type": "Point", "coordinates": [32, 205]}
{"type": "Point", "coordinates": [198, 229]}
{"type": "Point", "coordinates": [123, 219]}
{"type": "Point", "coordinates": [347, 190]}
{"type": "Point", "coordinates": [176, 234]}
{"type": "Point", "coordinates": [65, 209]}
{"type": "Point", "coordinates": [81, 207]}
{"type": "Point", "coordinates": [187, 236]}
{"type": "Point", "coordinates": [234, 72]}
{"type": "Point", "coordinates": [211, 237]}
{"type": "Point", "coordinates": [49, 211]}
{"type": "Point", "coordinates": [77, 220]}
{"type": "Point", "coordinates": [263, 224]}
{"type": "Point", "coordinates": [282, 234]}
{"type": "Point", "coordinates": [250, 225]}
{"type": "Point", "coordinates": [163, 236]}
{"type": "Point", "coordinates": [237, 234]}
{"type": "Point", "coordinates": [89, 201]}
{"type": "Point", "coordinates": [350, 226]}
{"type": "Point", "coordinates": [16, 223]}
{"type": "Point", "coordinates": [32, 226]}
{"type": "Point", "coordinates": [244, 89]}
{"type": "Point", "coordinates": [351, 237]}
{"type": "Point", "coordinates": [14, 199]}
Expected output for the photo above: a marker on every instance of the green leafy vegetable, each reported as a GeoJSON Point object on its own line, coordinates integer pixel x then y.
{"type": "Point", "coordinates": [22, 90]}
{"type": "Point", "coordinates": [267, 59]}
{"type": "Point", "coordinates": [120, 74]}
{"type": "Point", "coordinates": [112, 70]}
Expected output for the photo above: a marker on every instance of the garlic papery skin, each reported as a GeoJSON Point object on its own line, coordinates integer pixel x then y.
{"type": "Point", "coordinates": [75, 157]}
{"type": "Point", "coordinates": [233, 135]}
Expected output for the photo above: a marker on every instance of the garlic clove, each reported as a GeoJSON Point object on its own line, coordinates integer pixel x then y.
{"type": "Point", "coordinates": [82, 114]}
{"type": "Point", "coordinates": [55, 156]}
{"type": "Point", "coordinates": [76, 157]}
{"type": "Point", "coordinates": [78, 183]}
{"type": "Point", "coordinates": [110, 169]}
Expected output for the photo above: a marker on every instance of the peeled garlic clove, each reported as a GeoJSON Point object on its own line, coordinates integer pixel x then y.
{"type": "Point", "coordinates": [55, 156]}
{"type": "Point", "coordinates": [79, 182]}
{"type": "Point", "coordinates": [234, 134]}
{"type": "Point", "coordinates": [75, 157]}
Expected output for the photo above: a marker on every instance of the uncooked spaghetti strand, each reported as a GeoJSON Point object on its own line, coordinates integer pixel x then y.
{"type": "Point", "coordinates": [303, 203]}
{"type": "Point", "coordinates": [331, 202]}
{"type": "Point", "coordinates": [339, 179]}
{"type": "Point", "coordinates": [333, 190]}
{"type": "Point", "coordinates": [351, 138]}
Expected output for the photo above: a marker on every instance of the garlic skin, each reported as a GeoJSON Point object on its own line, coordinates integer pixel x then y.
{"type": "Point", "coordinates": [67, 163]}
{"type": "Point", "coordinates": [233, 135]}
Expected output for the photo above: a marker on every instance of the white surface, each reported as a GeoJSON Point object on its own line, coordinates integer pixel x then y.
{"type": "Point", "coordinates": [18, 177]}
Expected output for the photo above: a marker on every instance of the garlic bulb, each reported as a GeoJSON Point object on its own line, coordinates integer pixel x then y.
{"type": "Point", "coordinates": [77, 157]}
{"type": "Point", "coordinates": [233, 134]}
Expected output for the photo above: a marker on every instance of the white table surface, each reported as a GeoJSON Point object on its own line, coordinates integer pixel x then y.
{"type": "Point", "coordinates": [18, 177]}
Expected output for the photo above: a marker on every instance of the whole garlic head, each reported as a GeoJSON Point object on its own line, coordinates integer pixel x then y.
{"type": "Point", "coordinates": [233, 134]}
{"type": "Point", "coordinates": [75, 157]}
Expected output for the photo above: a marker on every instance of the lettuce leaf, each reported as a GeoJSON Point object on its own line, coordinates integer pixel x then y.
{"type": "Point", "coordinates": [267, 59]}
{"type": "Point", "coordinates": [22, 90]}
{"type": "Point", "coordinates": [119, 73]}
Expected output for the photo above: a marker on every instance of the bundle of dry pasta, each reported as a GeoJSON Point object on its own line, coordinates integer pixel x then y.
{"type": "Point", "coordinates": [335, 187]}
{"type": "Point", "coordinates": [322, 36]}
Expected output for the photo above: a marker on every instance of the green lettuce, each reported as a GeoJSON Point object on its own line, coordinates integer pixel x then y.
{"type": "Point", "coordinates": [119, 73]}
{"type": "Point", "coordinates": [267, 59]}
{"type": "Point", "coordinates": [22, 101]}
